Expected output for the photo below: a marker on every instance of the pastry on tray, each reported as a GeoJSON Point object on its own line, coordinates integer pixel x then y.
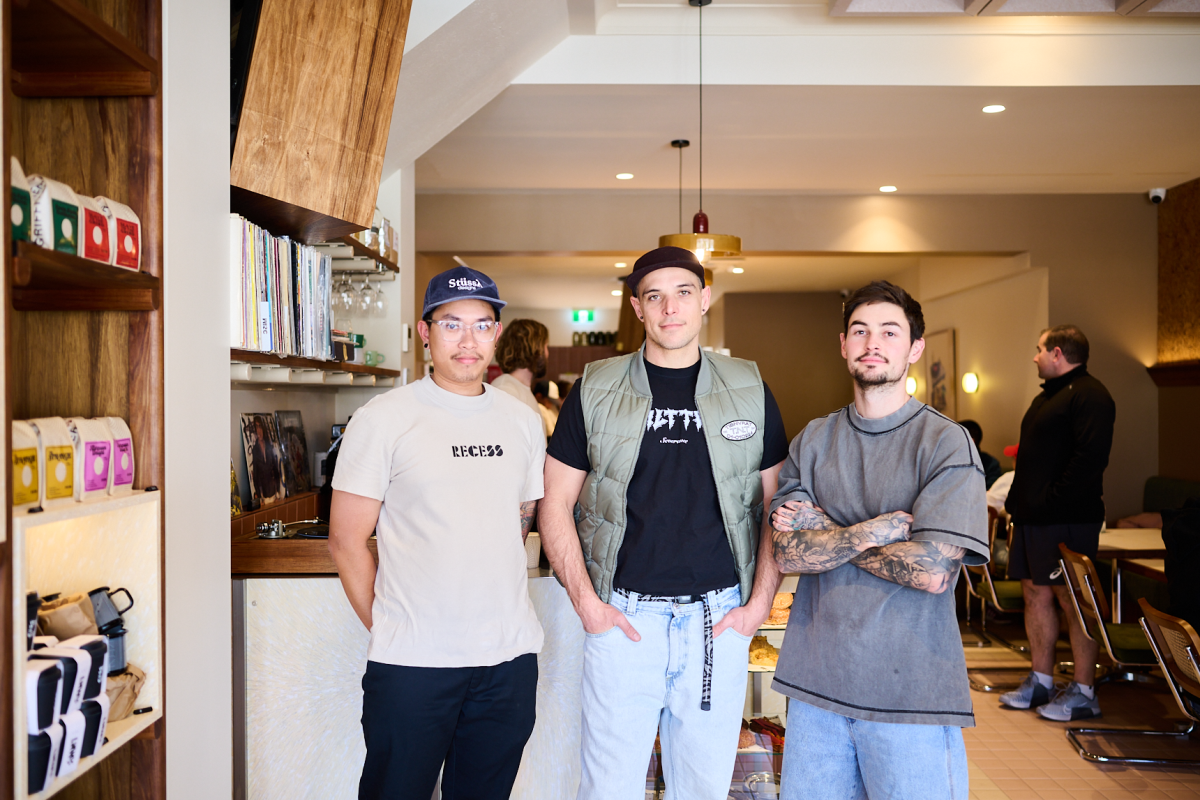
{"type": "Point", "coordinates": [762, 654]}
{"type": "Point", "coordinates": [779, 616]}
{"type": "Point", "coordinates": [746, 737]}
{"type": "Point", "coordinates": [782, 600]}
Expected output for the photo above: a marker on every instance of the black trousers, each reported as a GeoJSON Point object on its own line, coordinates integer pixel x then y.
{"type": "Point", "coordinates": [474, 720]}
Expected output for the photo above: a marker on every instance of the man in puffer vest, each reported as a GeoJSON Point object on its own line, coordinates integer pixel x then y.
{"type": "Point", "coordinates": [652, 519]}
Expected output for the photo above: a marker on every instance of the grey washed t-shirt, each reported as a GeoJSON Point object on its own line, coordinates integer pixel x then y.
{"type": "Point", "coordinates": [856, 644]}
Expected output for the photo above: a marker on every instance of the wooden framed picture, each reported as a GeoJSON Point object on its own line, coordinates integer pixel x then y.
{"type": "Point", "coordinates": [297, 476]}
{"type": "Point", "coordinates": [941, 372]}
{"type": "Point", "coordinates": [264, 461]}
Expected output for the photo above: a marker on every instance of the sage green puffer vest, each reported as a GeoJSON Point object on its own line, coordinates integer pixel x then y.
{"type": "Point", "coordinates": [616, 404]}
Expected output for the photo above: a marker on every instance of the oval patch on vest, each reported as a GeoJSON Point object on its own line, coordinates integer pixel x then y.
{"type": "Point", "coordinates": [739, 430]}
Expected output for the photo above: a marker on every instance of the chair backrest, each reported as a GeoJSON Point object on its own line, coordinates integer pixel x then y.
{"type": "Point", "coordinates": [1084, 584]}
{"type": "Point", "coordinates": [1177, 648]}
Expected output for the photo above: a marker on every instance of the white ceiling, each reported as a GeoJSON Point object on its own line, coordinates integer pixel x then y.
{"type": "Point", "coordinates": [825, 139]}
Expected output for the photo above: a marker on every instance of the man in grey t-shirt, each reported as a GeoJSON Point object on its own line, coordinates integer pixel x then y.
{"type": "Point", "coordinates": [878, 506]}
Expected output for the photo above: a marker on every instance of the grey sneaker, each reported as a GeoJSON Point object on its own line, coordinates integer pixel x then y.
{"type": "Point", "coordinates": [1030, 694]}
{"type": "Point", "coordinates": [1071, 704]}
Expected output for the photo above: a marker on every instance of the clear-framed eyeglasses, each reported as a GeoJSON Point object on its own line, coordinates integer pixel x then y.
{"type": "Point", "coordinates": [482, 331]}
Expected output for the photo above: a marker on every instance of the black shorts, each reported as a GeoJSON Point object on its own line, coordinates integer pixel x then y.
{"type": "Point", "coordinates": [1034, 553]}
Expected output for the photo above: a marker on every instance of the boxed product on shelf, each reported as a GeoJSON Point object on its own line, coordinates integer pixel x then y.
{"type": "Point", "coordinates": [21, 212]}
{"type": "Point", "coordinates": [74, 729]}
{"type": "Point", "coordinates": [122, 457]}
{"type": "Point", "coordinates": [124, 232]}
{"type": "Point", "coordinates": [45, 750]}
{"type": "Point", "coordinates": [56, 454]}
{"type": "Point", "coordinates": [76, 665]}
{"type": "Point", "coordinates": [55, 215]}
{"type": "Point", "coordinates": [26, 466]}
{"type": "Point", "coordinates": [95, 711]}
{"type": "Point", "coordinates": [43, 694]}
{"type": "Point", "coordinates": [96, 242]}
{"type": "Point", "coordinates": [93, 456]}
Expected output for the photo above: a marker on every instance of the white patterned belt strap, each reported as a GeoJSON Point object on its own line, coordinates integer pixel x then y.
{"type": "Point", "coordinates": [706, 693]}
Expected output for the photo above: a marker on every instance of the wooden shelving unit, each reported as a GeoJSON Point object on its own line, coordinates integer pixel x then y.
{"type": "Point", "coordinates": [61, 49]}
{"type": "Point", "coordinates": [84, 106]}
{"type": "Point", "coordinates": [285, 219]}
{"type": "Point", "coordinates": [47, 280]}
{"type": "Point", "coordinates": [250, 368]}
{"type": "Point", "coordinates": [362, 250]}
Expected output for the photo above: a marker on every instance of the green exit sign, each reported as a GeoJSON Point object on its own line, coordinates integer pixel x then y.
{"type": "Point", "coordinates": [583, 315]}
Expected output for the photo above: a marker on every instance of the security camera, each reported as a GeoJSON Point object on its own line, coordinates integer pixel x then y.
{"type": "Point", "coordinates": [844, 293]}
{"type": "Point", "coordinates": [1158, 195]}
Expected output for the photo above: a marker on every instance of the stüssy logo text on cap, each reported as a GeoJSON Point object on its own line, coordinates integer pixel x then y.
{"type": "Point", "coordinates": [465, 284]}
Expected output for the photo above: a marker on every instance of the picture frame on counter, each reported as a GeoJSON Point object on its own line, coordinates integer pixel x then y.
{"type": "Point", "coordinates": [294, 444]}
{"type": "Point", "coordinates": [264, 460]}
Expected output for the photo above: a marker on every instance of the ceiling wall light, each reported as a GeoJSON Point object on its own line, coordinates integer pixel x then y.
{"type": "Point", "coordinates": [737, 270]}
{"type": "Point", "coordinates": [910, 386]}
{"type": "Point", "coordinates": [617, 293]}
{"type": "Point", "coordinates": [970, 382]}
{"type": "Point", "coordinates": [624, 176]}
{"type": "Point", "coordinates": [700, 241]}
{"type": "Point", "coordinates": [996, 109]}
{"type": "Point", "coordinates": [887, 188]}
{"type": "Point", "coordinates": [620, 265]}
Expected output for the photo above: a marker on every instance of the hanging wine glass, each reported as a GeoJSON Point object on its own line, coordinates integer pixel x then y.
{"type": "Point", "coordinates": [379, 306]}
{"type": "Point", "coordinates": [363, 300]}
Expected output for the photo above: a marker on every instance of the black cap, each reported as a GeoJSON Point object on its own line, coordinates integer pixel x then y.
{"type": "Point", "coordinates": [661, 258]}
{"type": "Point", "coordinates": [461, 283]}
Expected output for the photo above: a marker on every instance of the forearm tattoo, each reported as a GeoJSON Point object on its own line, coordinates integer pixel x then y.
{"type": "Point", "coordinates": [826, 548]}
{"type": "Point", "coordinates": [928, 566]}
{"type": "Point", "coordinates": [528, 511]}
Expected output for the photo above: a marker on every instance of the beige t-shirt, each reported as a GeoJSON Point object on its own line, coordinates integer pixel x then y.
{"type": "Point", "coordinates": [451, 471]}
{"type": "Point", "coordinates": [507, 383]}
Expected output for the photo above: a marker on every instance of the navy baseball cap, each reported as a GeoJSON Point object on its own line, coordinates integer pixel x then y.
{"type": "Point", "coordinates": [461, 283]}
{"type": "Point", "coordinates": [661, 258]}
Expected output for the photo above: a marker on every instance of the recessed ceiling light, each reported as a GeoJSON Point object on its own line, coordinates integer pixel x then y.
{"type": "Point", "coordinates": [620, 265]}
{"type": "Point", "coordinates": [624, 176]}
{"type": "Point", "coordinates": [887, 188]}
{"type": "Point", "coordinates": [737, 270]}
{"type": "Point", "coordinates": [616, 292]}
{"type": "Point", "coordinates": [996, 109]}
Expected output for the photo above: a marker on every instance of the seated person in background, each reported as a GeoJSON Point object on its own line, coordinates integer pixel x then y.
{"type": "Point", "coordinates": [521, 352]}
{"type": "Point", "coordinates": [546, 394]}
{"type": "Point", "coordinates": [991, 466]}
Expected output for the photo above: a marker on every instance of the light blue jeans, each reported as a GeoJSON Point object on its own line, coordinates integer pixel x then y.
{"type": "Point", "coordinates": [828, 756]}
{"type": "Point", "coordinates": [631, 689]}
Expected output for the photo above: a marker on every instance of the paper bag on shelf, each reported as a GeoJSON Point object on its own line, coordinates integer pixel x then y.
{"type": "Point", "coordinates": [55, 215]}
{"type": "Point", "coordinates": [123, 692]}
{"type": "Point", "coordinates": [93, 457]}
{"type": "Point", "coordinates": [96, 241]}
{"type": "Point", "coordinates": [122, 458]}
{"type": "Point", "coordinates": [21, 212]}
{"type": "Point", "coordinates": [56, 454]}
{"type": "Point", "coordinates": [125, 233]}
{"type": "Point", "coordinates": [26, 466]}
{"type": "Point", "coordinates": [68, 616]}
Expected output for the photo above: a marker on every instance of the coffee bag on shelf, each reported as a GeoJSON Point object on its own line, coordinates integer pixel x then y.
{"type": "Point", "coordinates": [55, 214]}
{"type": "Point", "coordinates": [56, 454]}
{"type": "Point", "coordinates": [26, 466]}
{"type": "Point", "coordinates": [93, 457]}
{"type": "Point", "coordinates": [21, 212]}
{"type": "Point", "coordinates": [96, 242]}
{"type": "Point", "coordinates": [122, 457]}
{"type": "Point", "coordinates": [125, 233]}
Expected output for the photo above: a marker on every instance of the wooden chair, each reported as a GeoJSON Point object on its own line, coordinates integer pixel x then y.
{"type": "Point", "coordinates": [1125, 643]}
{"type": "Point", "coordinates": [1004, 596]}
{"type": "Point", "coordinates": [1175, 646]}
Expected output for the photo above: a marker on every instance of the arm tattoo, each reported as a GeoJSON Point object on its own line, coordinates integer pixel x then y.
{"type": "Point", "coordinates": [928, 566]}
{"type": "Point", "coordinates": [528, 511]}
{"type": "Point", "coordinates": [820, 550]}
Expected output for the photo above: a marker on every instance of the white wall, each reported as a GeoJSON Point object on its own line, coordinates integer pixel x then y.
{"type": "Point", "coordinates": [558, 321]}
{"type": "Point", "coordinates": [196, 304]}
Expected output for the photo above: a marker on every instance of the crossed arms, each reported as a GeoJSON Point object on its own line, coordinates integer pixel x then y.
{"type": "Point", "coordinates": [807, 540]}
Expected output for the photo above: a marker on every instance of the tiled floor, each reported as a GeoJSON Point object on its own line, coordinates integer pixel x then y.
{"type": "Point", "coordinates": [1018, 755]}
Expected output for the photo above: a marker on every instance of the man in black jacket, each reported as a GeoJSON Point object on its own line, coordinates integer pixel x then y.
{"type": "Point", "coordinates": [1056, 496]}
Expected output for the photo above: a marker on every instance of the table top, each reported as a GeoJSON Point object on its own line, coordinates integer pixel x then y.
{"type": "Point", "coordinates": [1153, 568]}
{"type": "Point", "coordinates": [1132, 543]}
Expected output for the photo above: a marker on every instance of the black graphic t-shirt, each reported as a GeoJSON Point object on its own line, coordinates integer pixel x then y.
{"type": "Point", "coordinates": [675, 541]}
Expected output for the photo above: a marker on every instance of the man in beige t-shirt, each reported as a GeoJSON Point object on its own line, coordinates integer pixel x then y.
{"type": "Point", "coordinates": [521, 352]}
{"type": "Point", "coordinates": [447, 472]}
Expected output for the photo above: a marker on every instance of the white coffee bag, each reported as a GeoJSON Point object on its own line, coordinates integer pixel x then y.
{"type": "Point", "coordinates": [122, 458]}
{"type": "Point", "coordinates": [55, 215]}
{"type": "Point", "coordinates": [21, 212]}
{"type": "Point", "coordinates": [56, 453]}
{"type": "Point", "coordinates": [93, 457]}
{"type": "Point", "coordinates": [125, 233]}
{"type": "Point", "coordinates": [96, 241]}
{"type": "Point", "coordinates": [26, 466]}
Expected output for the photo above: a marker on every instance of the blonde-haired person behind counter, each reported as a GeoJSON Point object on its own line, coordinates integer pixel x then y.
{"type": "Point", "coordinates": [521, 352]}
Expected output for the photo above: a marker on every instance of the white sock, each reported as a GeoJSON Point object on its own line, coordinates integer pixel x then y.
{"type": "Point", "coordinates": [1044, 679]}
{"type": "Point", "coordinates": [1088, 691]}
